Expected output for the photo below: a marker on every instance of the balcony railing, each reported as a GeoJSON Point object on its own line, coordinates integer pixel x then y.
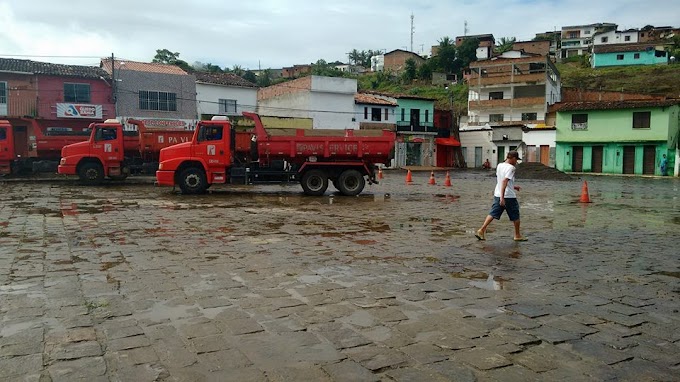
{"type": "Point", "coordinates": [579, 126]}
{"type": "Point", "coordinates": [17, 107]}
{"type": "Point", "coordinates": [507, 103]}
{"type": "Point", "coordinates": [507, 79]}
{"type": "Point", "coordinates": [423, 127]}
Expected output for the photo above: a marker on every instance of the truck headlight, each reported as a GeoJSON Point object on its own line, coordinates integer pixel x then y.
{"type": "Point", "coordinates": [62, 161]}
{"type": "Point", "coordinates": [160, 166]}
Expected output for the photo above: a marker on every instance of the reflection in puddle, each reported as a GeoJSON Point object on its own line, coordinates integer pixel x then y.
{"type": "Point", "coordinates": [490, 282]}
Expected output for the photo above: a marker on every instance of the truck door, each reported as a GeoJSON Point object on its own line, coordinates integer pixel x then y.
{"type": "Point", "coordinates": [213, 147]}
{"type": "Point", "coordinates": [108, 145]}
{"type": "Point", "coordinates": [6, 149]}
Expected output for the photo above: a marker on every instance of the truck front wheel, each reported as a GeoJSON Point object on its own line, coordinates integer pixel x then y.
{"type": "Point", "coordinates": [193, 181]}
{"type": "Point", "coordinates": [91, 173]}
{"type": "Point", "coordinates": [351, 183]}
{"type": "Point", "coordinates": [314, 182]}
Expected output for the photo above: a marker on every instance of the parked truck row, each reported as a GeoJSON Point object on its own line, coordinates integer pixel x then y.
{"type": "Point", "coordinates": [214, 153]}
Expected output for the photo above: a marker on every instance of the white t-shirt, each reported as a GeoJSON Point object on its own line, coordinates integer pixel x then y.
{"type": "Point", "coordinates": [503, 171]}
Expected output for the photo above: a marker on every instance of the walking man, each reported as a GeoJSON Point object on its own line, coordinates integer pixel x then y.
{"type": "Point", "coordinates": [504, 197]}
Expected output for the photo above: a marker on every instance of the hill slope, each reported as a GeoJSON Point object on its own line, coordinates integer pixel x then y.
{"type": "Point", "coordinates": [652, 79]}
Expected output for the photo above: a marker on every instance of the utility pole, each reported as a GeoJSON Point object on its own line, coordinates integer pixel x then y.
{"type": "Point", "coordinates": [114, 86]}
{"type": "Point", "coordinates": [413, 30]}
{"type": "Point", "coordinates": [465, 28]}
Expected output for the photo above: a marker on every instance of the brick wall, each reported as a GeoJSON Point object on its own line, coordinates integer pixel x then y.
{"type": "Point", "coordinates": [396, 61]}
{"type": "Point", "coordinates": [576, 95]}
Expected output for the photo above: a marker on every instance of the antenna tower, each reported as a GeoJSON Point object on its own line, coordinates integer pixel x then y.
{"type": "Point", "coordinates": [465, 29]}
{"type": "Point", "coordinates": [413, 30]}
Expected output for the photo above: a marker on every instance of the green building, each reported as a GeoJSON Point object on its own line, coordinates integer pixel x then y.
{"type": "Point", "coordinates": [621, 137]}
{"type": "Point", "coordinates": [416, 132]}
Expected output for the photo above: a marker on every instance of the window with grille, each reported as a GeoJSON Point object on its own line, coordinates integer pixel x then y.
{"type": "Point", "coordinates": [642, 120]}
{"type": "Point", "coordinates": [227, 106]}
{"type": "Point", "coordinates": [579, 121]}
{"type": "Point", "coordinates": [153, 100]}
{"type": "Point", "coordinates": [78, 93]}
{"type": "Point", "coordinates": [495, 117]}
{"type": "Point", "coordinates": [529, 116]}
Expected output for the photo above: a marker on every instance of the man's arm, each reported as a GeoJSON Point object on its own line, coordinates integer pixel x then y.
{"type": "Point", "coordinates": [504, 185]}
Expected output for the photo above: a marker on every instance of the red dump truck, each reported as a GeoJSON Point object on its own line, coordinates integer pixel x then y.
{"type": "Point", "coordinates": [113, 152]}
{"type": "Point", "coordinates": [31, 145]}
{"type": "Point", "coordinates": [216, 154]}
{"type": "Point", "coordinates": [6, 147]}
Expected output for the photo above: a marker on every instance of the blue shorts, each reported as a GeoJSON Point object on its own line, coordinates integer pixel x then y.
{"type": "Point", "coordinates": [511, 207]}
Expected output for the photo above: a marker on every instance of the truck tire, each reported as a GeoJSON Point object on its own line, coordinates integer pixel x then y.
{"type": "Point", "coordinates": [192, 180]}
{"type": "Point", "coordinates": [91, 173]}
{"type": "Point", "coordinates": [314, 182]}
{"type": "Point", "coordinates": [351, 183]}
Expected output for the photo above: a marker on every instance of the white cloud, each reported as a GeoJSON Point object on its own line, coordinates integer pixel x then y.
{"type": "Point", "coordinates": [282, 33]}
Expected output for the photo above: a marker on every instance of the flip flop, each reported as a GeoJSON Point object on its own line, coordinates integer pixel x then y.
{"type": "Point", "coordinates": [520, 238]}
{"type": "Point", "coordinates": [480, 235]}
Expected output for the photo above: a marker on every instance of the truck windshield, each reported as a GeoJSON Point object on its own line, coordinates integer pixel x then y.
{"type": "Point", "coordinates": [105, 134]}
{"type": "Point", "coordinates": [3, 134]}
{"type": "Point", "coordinates": [210, 133]}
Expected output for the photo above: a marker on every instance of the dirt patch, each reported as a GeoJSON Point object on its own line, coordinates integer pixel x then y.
{"type": "Point", "coordinates": [535, 170]}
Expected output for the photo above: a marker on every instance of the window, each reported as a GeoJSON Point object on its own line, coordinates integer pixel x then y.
{"type": "Point", "coordinates": [573, 34]}
{"type": "Point", "coordinates": [365, 112]}
{"type": "Point", "coordinates": [3, 134]}
{"type": "Point", "coordinates": [387, 112]}
{"type": "Point", "coordinates": [227, 106]}
{"type": "Point", "coordinates": [604, 39]}
{"type": "Point", "coordinates": [495, 117]}
{"type": "Point", "coordinates": [152, 100]}
{"type": "Point", "coordinates": [105, 134]}
{"type": "Point", "coordinates": [587, 31]}
{"type": "Point", "coordinates": [636, 56]}
{"type": "Point", "coordinates": [641, 119]}
{"type": "Point", "coordinates": [579, 121]}
{"type": "Point", "coordinates": [495, 95]}
{"type": "Point", "coordinates": [642, 35]}
{"type": "Point", "coordinates": [375, 114]}
{"type": "Point", "coordinates": [619, 57]}
{"type": "Point", "coordinates": [427, 116]}
{"type": "Point", "coordinates": [3, 92]}
{"type": "Point", "coordinates": [79, 93]}
{"type": "Point", "coordinates": [627, 38]}
{"type": "Point", "coordinates": [210, 133]}
{"type": "Point", "coordinates": [529, 116]}
{"type": "Point", "coordinates": [403, 114]}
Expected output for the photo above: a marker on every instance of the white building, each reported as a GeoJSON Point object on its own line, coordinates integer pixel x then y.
{"type": "Point", "coordinates": [378, 63]}
{"type": "Point", "coordinates": [328, 101]}
{"type": "Point", "coordinates": [224, 94]}
{"type": "Point", "coordinates": [616, 37]}
{"type": "Point", "coordinates": [576, 39]}
{"type": "Point", "coordinates": [375, 112]}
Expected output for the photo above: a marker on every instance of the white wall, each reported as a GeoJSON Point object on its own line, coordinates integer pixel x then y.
{"type": "Point", "coordinates": [540, 137]}
{"type": "Point", "coordinates": [478, 138]}
{"type": "Point", "coordinates": [483, 52]}
{"type": "Point", "coordinates": [332, 111]}
{"type": "Point", "coordinates": [207, 96]}
{"type": "Point", "coordinates": [616, 37]}
{"type": "Point", "coordinates": [359, 113]}
{"type": "Point", "coordinates": [287, 105]}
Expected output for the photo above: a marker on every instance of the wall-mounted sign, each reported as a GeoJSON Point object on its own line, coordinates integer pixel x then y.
{"type": "Point", "coordinates": [79, 110]}
{"type": "Point", "coordinates": [159, 123]}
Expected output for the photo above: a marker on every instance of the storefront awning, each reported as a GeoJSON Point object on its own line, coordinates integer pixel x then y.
{"type": "Point", "coordinates": [450, 141]}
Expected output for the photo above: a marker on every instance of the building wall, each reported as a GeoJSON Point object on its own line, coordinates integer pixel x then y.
{"type": "Point", "coordinates": [333, 111]}
{"type": "Point", "coordinates": [541, 47]}
{"type": "Point", "coordinates": [295, 105]}
{"type": "Point", "coordinates": [131, 82]}
{"type": "Point", "coordinates": [22, 95]}
{"type": "Point", "coordinates": [645, 58]}
{"type": "Point", "coordinates": [533, 140]}
{"type": "Point", "coordinates": [613, 130]}
{"type": "Point", "coordinates": [471, 139]}
{"type": "Point", "coordinates": [361, 117]}
{"type": "Point", "coordinates": [296, 86]}
{"type": "Point", "coordinates": [423, 105]}
{"type": "Point", "coordinates": [615, 37]}
{"type": "Point", "coordinates": [51, 92]}
{"type": "Point", "coordinates": [208, 96]}
{"type": "Point", "coordinates": [396, 61]}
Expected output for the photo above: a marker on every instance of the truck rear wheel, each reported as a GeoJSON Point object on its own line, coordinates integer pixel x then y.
{"type": "Point", "coordinates": [350, 183]}
{"type": "Point", "coordinates": [314, 182]}
{"type": "Point", "coordinates": [193, 181]}
{"type": "Point", "coordinates": [91, 173]}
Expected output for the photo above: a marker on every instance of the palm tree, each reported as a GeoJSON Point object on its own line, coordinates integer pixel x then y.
{"type": "Point", "coordinates": [504, 44]}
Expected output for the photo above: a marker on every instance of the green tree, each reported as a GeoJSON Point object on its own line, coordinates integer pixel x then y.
{"type": "Point", "coordinates": [164, 56]}
{"type": "Point", "coordinates": [445, 60]}
{"type": "Point", "coordinates": [210, 68]}
{"type": "Point", "coordinates": [410, 70]}
{"type": "Point", "coordinates": [238, 70]}
{"type": "Point", "coordinates": [355, 57]}
{"type": "Point", "coordinates": [504, 44]}
{"type": "Point", "coordinates": [425, 70]}
{"type": "Point", "coordinates": [263, 80]}
{"type": "Point", "coordinates": [467, 52]}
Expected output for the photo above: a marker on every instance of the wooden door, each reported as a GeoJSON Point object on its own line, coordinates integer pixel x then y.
{"type": "Point", "coordinates": [577, 159]}
{"type": "Point", "coordinates": [545, 155]}
{"type": "Point", "coordinates": [501, 154]}
{"type": "Point", "coordinates": [629, 159]}
{"type": "Point", "coordinates": [20, 141]}
{"type": "Point", "coordinates": [649, 160]}
{"type": "Point", "coordinates": [597, 158]}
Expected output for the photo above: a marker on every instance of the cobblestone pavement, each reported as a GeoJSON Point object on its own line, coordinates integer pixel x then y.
{"type": "Point", "coordinates": [134, 283]}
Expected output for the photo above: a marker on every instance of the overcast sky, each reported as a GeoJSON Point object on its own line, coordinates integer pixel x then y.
{"type": "Point", "coordinates": [274, 33]}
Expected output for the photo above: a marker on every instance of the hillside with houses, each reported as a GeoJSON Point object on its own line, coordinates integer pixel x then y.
{"type": "Point", "coordinates": [586, 98]}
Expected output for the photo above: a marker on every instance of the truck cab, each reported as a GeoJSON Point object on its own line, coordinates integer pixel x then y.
{"type": "Point", "coordinates": [7, 154]}
{"type": "Point", "coordinates": [99, 157]}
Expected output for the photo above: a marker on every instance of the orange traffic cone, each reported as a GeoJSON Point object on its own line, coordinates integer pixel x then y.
{"type": "Point", "coordinates": [432, 181]}
{"type": "Point", "coordinates": [380, 174]}
{"type": "Point", "coordinates": [409, 180]}
{"type": "Point", "coordinates": [584, 193]}
{"type": "Point", "coordinates": [447, 182]}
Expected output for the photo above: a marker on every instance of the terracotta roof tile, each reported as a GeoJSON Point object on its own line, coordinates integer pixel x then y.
{"type": "Point", "coordinates": [149, 67]}
{"type": "Point", "coordinates": [372, 100]}
{"type": "Point", "coordinates": [229, 79]}
{"type": "Point", "coordinates": [616, 48]}
{"type": "Point", "coordinates": [609, 105]}
{"type": "Point", "coordinates": [50, 69]}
